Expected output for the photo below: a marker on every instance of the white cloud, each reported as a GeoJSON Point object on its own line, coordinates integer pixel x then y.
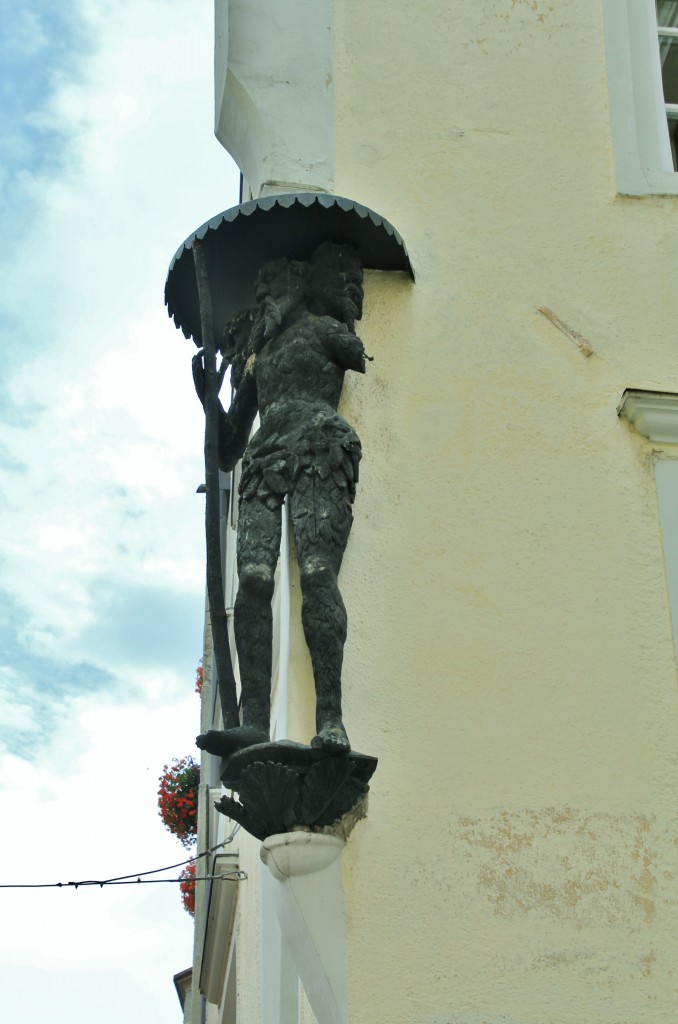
{"type": "Point", "coordinates": [16, 712]}
{"type": "Point", "coordinates": [26, 33]}
{"type": "Point", "coordinates": [102, 529]}
{"type": "Point", "coordinates": [84, 808]}
{"type": "Point", "coordinates": [113, 443]}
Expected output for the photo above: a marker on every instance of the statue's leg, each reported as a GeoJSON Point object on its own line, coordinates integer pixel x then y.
{"type": "Point", "coordinates": [258, 547]}
{"type": "Point", "coordinates": [321, 521]}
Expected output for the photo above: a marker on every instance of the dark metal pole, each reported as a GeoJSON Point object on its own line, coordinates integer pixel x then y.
{"type": "Point", "coordinates": [215, 582]}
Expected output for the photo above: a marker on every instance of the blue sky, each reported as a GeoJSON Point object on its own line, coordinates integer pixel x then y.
{"type": "Point", "coordinates": [41, 45]}
{"type": "Point", "coordinates": [107, 162]}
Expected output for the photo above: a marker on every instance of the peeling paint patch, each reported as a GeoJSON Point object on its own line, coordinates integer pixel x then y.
{"type": "Point", "coordinates": [586, 868]}
{"type": "Point", "coordinates": [475, 1018]}
{"type": "Point", "coordinates": [580, 341]}
{"type": "Point", "coordinates": [533, 6]}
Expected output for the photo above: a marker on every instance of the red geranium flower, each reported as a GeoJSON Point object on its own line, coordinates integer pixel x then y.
{"type": "Point", "coordinates": [178, 799]}
{"type": "Point", "coordinates": [187, 887]}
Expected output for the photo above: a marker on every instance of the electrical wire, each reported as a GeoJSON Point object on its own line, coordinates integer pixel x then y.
{"type": "Point", "coordinates": [140, 877]}
{"type": "Point", "coordinates": [226, 877]}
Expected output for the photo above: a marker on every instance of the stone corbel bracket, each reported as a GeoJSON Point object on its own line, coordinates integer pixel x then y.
{"type": "Point", "coordinates": [285, 786]}
{"type": "Point", "coordinates": [310, 907]}
{"type": "Point", "coordinates": [319, 797]}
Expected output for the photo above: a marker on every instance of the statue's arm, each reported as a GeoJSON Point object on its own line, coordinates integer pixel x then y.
{"type": "Point", "coordinates": [345, 348]}
{"type": "Point", "coordinates": [198, 371]}
{"type": "Point", "coordinates": [236, 424]}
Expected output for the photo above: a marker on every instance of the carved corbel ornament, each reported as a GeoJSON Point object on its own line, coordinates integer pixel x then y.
{"type": "Point", "coordinates": [286, 786]}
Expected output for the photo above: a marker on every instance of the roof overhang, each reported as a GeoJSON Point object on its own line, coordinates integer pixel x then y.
{"type": "Point", "coordinates": [238, 241]}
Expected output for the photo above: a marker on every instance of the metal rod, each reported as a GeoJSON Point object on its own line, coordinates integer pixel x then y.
{"type": "Point", "coordinates": [215, 582]}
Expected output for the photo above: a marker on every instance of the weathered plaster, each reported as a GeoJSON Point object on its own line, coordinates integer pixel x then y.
{"type": "Point", "coordinates": [274, 92]}
{"type": "Point", "coordinates": [510, 656]}
{"type": "Point", "coordinates": [510, 645]}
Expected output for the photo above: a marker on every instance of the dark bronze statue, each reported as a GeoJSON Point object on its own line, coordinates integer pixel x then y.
{"type": "Point", "coordinates": [288, 358]}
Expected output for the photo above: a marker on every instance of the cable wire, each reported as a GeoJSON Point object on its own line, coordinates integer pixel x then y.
{"type": "Point", "coordinates": [140, 877]}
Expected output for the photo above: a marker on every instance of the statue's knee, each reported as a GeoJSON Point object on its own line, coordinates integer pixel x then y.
{"type": "Point", "coordinates": [319, 580]}
{"type": "Point", "coordinates": [256, 581]}
{"type": "Point", "coordinates": [315, 576]}
{"type": "Point", "coordinates": [322, 608]}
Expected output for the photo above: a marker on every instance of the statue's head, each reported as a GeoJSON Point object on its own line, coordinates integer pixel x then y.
{"type": "Point", "coordinates": [279, 288]}
{"type": "Point", "coordinates": [281, 278]}
{"type": "Point", "coordinates": [335, 282]}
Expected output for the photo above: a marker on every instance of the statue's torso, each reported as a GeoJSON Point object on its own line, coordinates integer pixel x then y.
{"type": "Point", "coordinates": [298, 390]}
{"type": "Point", "coordinates": [294, 370]}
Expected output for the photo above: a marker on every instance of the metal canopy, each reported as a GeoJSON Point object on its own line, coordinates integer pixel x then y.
{"type": "Point", "coordinates": [239, 240]}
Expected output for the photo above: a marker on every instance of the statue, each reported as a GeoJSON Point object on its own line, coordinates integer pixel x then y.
{"type": "Point", "coordinates": [288, 360]}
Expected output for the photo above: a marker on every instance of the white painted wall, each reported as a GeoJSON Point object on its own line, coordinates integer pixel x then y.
{"type": "Point", "coordinates": [274, 92]}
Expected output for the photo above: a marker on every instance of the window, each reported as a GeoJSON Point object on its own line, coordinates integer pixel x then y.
{"type": "Point", "coordinates": [654, 414]}
{"type": "Point", "coordinates": [666, 477]}
{"type": "Point", "coordinates": [667, 28]}
{"type": "Point", "coordinates": [641, 39]}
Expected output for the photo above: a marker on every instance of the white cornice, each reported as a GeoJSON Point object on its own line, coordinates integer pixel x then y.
{"type": "Point", "coordinates": [274, 92]}
{"type": "Point", "coordinates": [310, 905]}
{"type": "Point", "coordinates": [654, 414]}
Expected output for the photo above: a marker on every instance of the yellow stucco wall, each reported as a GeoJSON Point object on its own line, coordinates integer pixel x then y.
{"type": "Point", "coordinates": [510, 657]}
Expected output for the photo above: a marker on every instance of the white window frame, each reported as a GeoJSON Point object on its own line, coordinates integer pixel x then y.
{"type": "Point", "coordinates": [642, 149]}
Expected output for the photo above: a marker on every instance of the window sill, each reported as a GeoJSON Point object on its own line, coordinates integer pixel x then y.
{"type": "Point", "coordinates": [654, 414]}
{"type": "Point", "coordinates": [647, 183]}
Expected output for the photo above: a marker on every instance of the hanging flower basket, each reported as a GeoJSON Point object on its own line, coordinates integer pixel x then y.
{"type": "Point", "coordinates": [199, 678]}
{"type": "Point", "coordinates": [178, 799]}
{"type": "Point", "coordinates": [187, 887]}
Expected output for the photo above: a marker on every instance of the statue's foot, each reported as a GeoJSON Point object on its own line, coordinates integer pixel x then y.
{"type": "Point", "coordinates": [332, 737]}
{"type": "Point", "coordinates": [223, 744]}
